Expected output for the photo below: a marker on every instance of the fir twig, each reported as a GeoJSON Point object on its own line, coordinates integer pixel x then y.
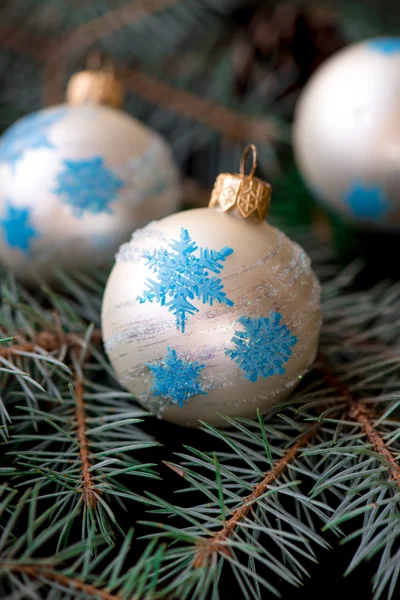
{"type": "Point", "coordinates": [80, 446]}
{"type": "Point", "coordinates": [217, 543]}
{"type": "Point", "coordinates": [48, 341]}
{"type": "Point", "coordinates": [84, 36]}
{"type": "Point", "coordinates": [89, 491]}
{"type": "Point", "coordinates": [258, 519]}
{"type": "Point", "coordinates": [233, 125]}
{"type": "Point", "coordinates": [362, 414]}
{"type": "Point", "coordinates": [49, 575]}
{"type": "Point", "coordinates": [26, 571]}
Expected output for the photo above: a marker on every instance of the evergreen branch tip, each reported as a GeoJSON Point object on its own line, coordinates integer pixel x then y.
{"type": "Point", "coordinates": [208, 547]}
{"type": "Point", "coordinates": [362, 414]}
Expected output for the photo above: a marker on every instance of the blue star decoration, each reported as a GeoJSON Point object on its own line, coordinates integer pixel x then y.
{"type": "Point", "coordinates": [87, 186]}
{"type": "Point", "coordinates": [386, 45]}
{"type": "Point", "coordinates": [367, 201]}
{"type": "Point", "coordinates": [176, 379]}
{"type": "Point", "coordinates": [28, 133]}
{"type": "Point", "coordinates": [17, 227]}
{"type": "Point", "coordinates": [263, 347]}
{"type": "Point", "coordinates": [182, 277]}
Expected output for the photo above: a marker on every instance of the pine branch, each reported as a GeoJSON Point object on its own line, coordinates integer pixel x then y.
{"type": "Point", "coordinates": [81, 451]}
{"type": "Point", "coordinates": [84, 36]}
{"type": "Point", "coordinates": [76, 570]}
{"type": "Point", "coordinates": [49, 575]}
{"type": "Point", "coordinates": [236, 126]}
{"type": "Point", "coordinates": [359, 368]}
{"type": "Point", "coordinates": [361, 413]}
{"type": "Point", "coordinates": [89, 491]}
{"type": "Point", "coordinates": [48, 341]}
{"type": "Point", "coordinates": [217, 543]}
{"type": "Point", "coordinates": [69, 441]}
{"type": "Point", "coordinates": [258, 521]}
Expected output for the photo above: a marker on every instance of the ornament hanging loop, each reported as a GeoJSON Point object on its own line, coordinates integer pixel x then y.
{"type": "Point", "coordinates": [243, 161]}
{"type": "Point", "coordinates": [243, 195]}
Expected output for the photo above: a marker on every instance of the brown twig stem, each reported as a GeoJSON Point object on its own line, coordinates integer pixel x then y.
{"type": "Point", "coordinates": [48, 341]}
{"type": "Point", "coordinates": [83, 37]}
{"type": "Point", "coordinates": [51, 341]}
{"type": "Point", "coordinates": [88, 488]}
{"type": "Point", "coordinates": [37, 572]}
{"type": "Point", "coordinates": [207, 547]}
{"type": "Point", "coordinates": [361, 413]}
{"type": "Point", "coordinates": [233, 125]}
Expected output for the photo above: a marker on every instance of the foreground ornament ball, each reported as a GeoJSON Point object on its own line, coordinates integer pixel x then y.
{"type": "Point", "coordinates": [75, 180]}
{"type": "Point", "coordinates": [347, 133]}
{"type": "Point", "coordinates": [212, 310]}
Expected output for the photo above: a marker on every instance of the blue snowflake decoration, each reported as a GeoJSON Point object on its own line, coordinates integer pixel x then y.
{"type": "Point", "coordinates": [263, 347]}
{"type": "Point", "coordinates": [176, 379]}
{"type": "Point", "coordinates": [367, 202]}
{"type": "Point", "coordinates": [17, 227]}
{"type": "Point", "coordinates": [386, 45]}
{"type": "Point", "coordinates": [182, 277]}
{"type": "Point", "coordinates": [28, 133]}
{"type": "Point", "coordinates": [88, 186]}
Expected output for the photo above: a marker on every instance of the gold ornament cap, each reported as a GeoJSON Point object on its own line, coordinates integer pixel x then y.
{"type": "Point", "coordinates": [246, 195]}
{"type": "Point", "coordinates": [98, 84]}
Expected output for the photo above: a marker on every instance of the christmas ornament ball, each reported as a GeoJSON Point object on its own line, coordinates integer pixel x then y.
{"type": "Point", "coordinates": [347, 133]}
{"type": "Point", "coordinates": [207, 312]}
{"type": "Point", "coordinates": [74, 182]}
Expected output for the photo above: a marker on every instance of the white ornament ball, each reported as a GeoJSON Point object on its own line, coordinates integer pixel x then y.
{"type": "Point", "coordinates": [208, 313]}
{"type": "Point", "coordinates": [74, 182]}
{"type": "Point", "coordinates": [347, 133]}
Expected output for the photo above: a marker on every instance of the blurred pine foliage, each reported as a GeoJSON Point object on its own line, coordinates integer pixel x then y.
{"type": "Point", "coordinates": [210, 76]}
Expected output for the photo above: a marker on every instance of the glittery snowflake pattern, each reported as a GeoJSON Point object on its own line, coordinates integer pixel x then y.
{"type": "Point", "coordinates": [88, 186]}
{"type": "Point", "coordinates": [263, 347]}
{"type": "Point", "coordinates": [367, 202]}
{"type": "Point", "coordinates": [28, 133]}
{"type": "Point", "coordinates": [388, 45]}
{"type": "Point", "coordinates": [183, 277]}
{"type": "Point", "coordinates": [17, 228]}
{"type": "Point", "coordinates": [176, 379]}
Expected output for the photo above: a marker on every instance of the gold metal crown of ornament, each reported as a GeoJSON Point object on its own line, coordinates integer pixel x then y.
{"type": "Point", "coordinates": [245, 193]}
{"type": "Point", "coordinates": [98, 84]}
